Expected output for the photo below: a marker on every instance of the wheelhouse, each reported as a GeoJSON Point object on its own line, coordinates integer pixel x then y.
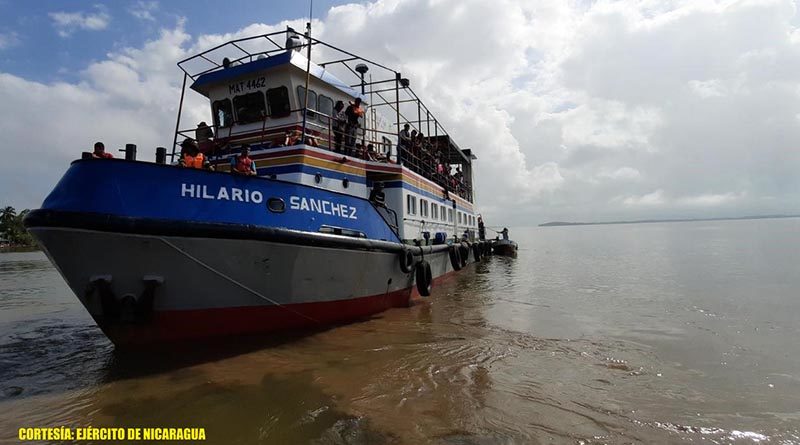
{"type": "Point", "coordinates": [266, 92]}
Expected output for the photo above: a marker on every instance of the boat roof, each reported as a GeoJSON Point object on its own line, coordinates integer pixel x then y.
{"type": "Point", "coordinates": [206, 81]}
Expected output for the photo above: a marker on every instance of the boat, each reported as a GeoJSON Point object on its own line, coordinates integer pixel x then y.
{"type": "Point", "coordinates": [504, 246]}
{"type": "Point", "coordinates": [325, 231]}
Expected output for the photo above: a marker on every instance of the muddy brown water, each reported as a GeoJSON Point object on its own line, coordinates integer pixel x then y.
{"type": "Point", "coordinates": [651, 333]}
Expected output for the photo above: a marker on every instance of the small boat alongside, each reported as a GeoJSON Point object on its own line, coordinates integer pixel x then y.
{"type": "Point", "coordinates": [339, 211]}
{"type": "Point", "coordinates": [504, 246]}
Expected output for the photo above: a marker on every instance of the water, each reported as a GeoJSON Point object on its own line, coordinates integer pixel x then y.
{"type": "Point", "coordinates": [651, 333]}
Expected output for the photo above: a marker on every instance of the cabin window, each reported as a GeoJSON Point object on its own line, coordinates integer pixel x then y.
{"type": "Point", "coordinates": [250, 107]}
{"type": "Point", "coordinates": [411, 205]}
{"type": "Point", "coordinates": [423, 208]}
{"type": "Point", "coordinates": [223, 113]}
{"type": "Point", "coordinates": [325, 107]}
{"type": "Point", "coordinates": [443, 213]}
{"type": "Point", "coordinates": [450, 215]}
{"type": "Point", "coordinates": [434, 211]}
{"type": "Point", "coordinates": [459, 218]}
{"type": "Point", "coordinates": [278, 101]}
{"type": "Point", "coordinates": [312, 100]}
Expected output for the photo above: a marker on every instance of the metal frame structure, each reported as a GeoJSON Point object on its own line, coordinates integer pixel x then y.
{"type": "Point", "coordinates": [344, 64]}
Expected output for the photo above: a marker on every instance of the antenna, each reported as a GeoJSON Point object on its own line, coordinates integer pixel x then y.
{"type": "Point", "coordinates": [308, 67]}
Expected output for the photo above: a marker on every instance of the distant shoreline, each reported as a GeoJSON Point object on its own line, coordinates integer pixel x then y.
{"type": "Point", "coordinates": [650, 221]}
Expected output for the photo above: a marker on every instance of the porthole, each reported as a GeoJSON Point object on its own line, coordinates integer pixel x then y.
{"type": "Point", "coordinates": [318, 178]}
{"type": "Point", "coordinates": [345, 182]}
{"type": "Point", "coordinates": [276, 205]}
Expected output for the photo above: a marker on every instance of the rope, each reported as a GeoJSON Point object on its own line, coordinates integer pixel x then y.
{"type": "Point", "coordinates": [259, 295]}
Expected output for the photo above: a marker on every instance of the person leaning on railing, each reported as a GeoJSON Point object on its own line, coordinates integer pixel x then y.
{"type": "Point", "coordinates": [191, 156]}
{"type": "Point", "coordinates": [242, 164]}
{"type": "Point", "coordinates": [100, 151]}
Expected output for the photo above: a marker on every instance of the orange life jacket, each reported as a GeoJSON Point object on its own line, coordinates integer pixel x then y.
{"type": "Point", "coordinates": [193, 161]}
{"type": "Point", "coordinates": [243, 165]}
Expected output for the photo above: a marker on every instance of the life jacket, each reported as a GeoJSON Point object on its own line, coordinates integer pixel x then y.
{"type": "Point", "coordinates": [193, 161]}
{"type": "Point", "coordinates": [243, 165]}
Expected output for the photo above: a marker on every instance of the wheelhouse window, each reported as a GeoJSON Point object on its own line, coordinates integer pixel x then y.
{"type": "Point", "coordinates": [325, 107]}
{"type": "Point", "coordinates": [411, 205]}
{"type": "Point", "coordinates": [250, 107]}
{"type": "Point", "coordinates": [312, 100]}
{"type": "Point", "coordinates": [223, 113]}
{"type": "Point", "coordinates": [278, 101]}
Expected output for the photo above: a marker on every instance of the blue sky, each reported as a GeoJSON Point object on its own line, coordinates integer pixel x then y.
{"type": "Point", "coordinates": [39, 49]}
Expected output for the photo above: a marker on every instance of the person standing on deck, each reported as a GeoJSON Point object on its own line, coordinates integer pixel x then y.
{"type": "Point", "coordinates": [481, 228]}
{"type": "Point", "coordinates": [504, 232]}
{"type": "Point", "coordinates": [353, 113]}
{"type": "Point", "coordinates": [404, 144]}
{"type": "Point", "coordinates": [100, 151]}
{"type": "Point", "coordinates": [242, 164]}
{"type": "Point", "coordinates": [339, 123]}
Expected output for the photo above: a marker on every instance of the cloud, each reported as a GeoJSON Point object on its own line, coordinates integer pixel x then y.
{"type": "Point", "coordinates": [8, 39]}
{"type": "Point", "coordinates": [143, 10]}
{"type": "Point", "coordinates": [576, 110]}
{"type": "Point", "coordinates": [68, 22]}
{"type": "Point", "coordinates": [655, 198]}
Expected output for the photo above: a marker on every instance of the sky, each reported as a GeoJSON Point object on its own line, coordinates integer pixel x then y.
{"type": "Point", "coordinates": [577, 110]}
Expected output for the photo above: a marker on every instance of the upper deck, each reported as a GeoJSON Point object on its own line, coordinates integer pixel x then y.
{"type": "Point", "coordinates": [265, 91]}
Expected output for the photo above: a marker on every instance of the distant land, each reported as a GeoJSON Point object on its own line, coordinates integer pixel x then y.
{"type": "Point", "coordinates": [648, 221]}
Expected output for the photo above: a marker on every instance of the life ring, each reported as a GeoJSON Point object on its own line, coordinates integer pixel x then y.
{"type": "Point", "coordinates": [424, 278]}
{"type": "Point", "coordinates": [455, 259]}
{"type": "Point", "coordinates": [406, 261]}
{"type": "Point", "coordinates": [463, 251]}
{"type": "Point", "coordinates": [476, 252]}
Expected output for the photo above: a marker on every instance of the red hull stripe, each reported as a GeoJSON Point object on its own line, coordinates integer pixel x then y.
{"type": "Point", "coordinates": [175, 326]}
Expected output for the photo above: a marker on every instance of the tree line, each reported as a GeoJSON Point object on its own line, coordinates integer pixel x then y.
{"type": "Point", "coordinates": [11, 228]}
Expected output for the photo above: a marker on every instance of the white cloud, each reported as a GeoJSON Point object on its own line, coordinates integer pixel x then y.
{"type": "Point", "coordinates": [67, 22]}
{"type": "Point", "coordinates": [8, 39]}
{"type": "Point", "coordinates": [144, 10]}
{"type": "Point", "coordinates": [655, 198]}
{"type": "Point", "coordinates": [576, 110]}
{"type": "Point", "coordinates": [709, 199]}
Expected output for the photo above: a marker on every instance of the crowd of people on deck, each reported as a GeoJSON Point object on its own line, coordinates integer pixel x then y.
{"type": "Point", "coordinates": [427, 158]}
{"type": "Point", "coordinates": [415, 151]}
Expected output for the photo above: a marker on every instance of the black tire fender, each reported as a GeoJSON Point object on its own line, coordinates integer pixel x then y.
{"type": "Point", "coordinates": [476, 252]}
{"type": "Point", "coordinates": [406, 261]}
{"type": "Point", "coordinates": [463, 251]}
{"type": "Point", "coordinates": [455, 259]}
{"type": "Point", "coordinates": [424, 278]}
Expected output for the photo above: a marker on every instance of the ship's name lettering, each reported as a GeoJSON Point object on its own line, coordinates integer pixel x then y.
{"type": "Point", "coordinates": [201, 191]}
{"type": "Point", "coordinates": [322, 206]}
{"type": "Point", "coordinates": [246, 85]}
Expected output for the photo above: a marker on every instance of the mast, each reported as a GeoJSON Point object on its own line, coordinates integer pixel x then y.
{"type": "Point", "coordinates": [308, 69]}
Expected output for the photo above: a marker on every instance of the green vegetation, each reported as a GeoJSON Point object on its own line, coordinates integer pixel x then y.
{"type": "Point", "coordinates": [12, 231]}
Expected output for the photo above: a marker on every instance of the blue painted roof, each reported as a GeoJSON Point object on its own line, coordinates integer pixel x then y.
{"type": "Point", "coordinates": [221, 76]}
